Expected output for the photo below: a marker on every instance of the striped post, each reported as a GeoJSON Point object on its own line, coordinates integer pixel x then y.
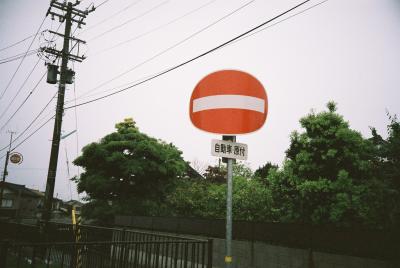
{"type": "Point", "coordinates": [76, 221]}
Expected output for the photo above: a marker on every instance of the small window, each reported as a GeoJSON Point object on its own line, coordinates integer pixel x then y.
{"type": "Point", "coordinates": [6, 203]}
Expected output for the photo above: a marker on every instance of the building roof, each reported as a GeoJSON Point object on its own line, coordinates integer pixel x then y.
{"type": "Point", "coordinates": [74, 203]}
{"type": "Point", "coordinates": [24, 191]}
{"type": "Point", "coordinates": [192, 173]}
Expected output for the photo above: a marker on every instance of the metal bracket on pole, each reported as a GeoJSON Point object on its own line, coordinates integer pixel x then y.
{"type": "Point", "coordinates": [232, 139]}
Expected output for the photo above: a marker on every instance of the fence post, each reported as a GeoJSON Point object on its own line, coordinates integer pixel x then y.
{"type": "Point", "coordinates": [209, 253]}
{"type": "Point", "coordinates": [3, 253]}
{"type": "Point", "coordinates": [122, 248]}
{"type": "Point", "coordinates": [311, 248]}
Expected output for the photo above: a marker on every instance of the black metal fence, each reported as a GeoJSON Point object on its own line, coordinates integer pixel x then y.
{"type": "Point", "coordinates": [91, 246]}
{"type": "Point", "coordinates": [157, 254]}
{"type": "Point", "coordinates": [57, 232]}
{"type": "Point", "coordinates": [383, 245]}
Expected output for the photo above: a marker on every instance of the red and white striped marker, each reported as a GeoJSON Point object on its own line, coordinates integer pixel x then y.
{"type": "Point", "coordinates": [229, 102]}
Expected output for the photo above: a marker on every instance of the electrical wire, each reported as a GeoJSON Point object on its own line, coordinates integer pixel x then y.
{"type": "Point", "coordinates": [110, 17]}
{"type": "Point", "coordinates": [129, 21]}
{"type": "Point", "coordinates": [19, 55]}
{"type": "Point", "coordinates": [16, 43]}
{"type": "Point", "coordinates": [28, 96]}
{"type": "Point", "coordinates": [33, 121]}
{"type": "Point", "coordinates": [19, 90]}
{"type": "Point", "coordinates": [240, 39]}
{"type": "Point", "coordinates": [183, 63]}
{"type": "Point", "coordinates": [192, 59]}
{"type": "Point", "coordinates": [155, 28]}
{"type": "Point", "coordinates": [22, 60]}
{"type": "Point", "coordinates": [278, 22]}
{"type": "Point", "coordinates": [23, 103]}
{"type": "Point", "coordinates": [102, 3]}
{"type": "Point", "coordinates": [76, 122]}
{"type": "Point", "coordinates": [171, 47]}
{"type": "Point", "coordinates": [17, 58]}
{"type": "Point", "coordinates": [32, 90]}
{"type": "Point", "coordinates": [43, 109]}
{"type": "Point", "coordinates": [30, 135]}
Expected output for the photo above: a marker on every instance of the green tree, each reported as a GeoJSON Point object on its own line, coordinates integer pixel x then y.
{"type": "Point", "coordinates": [217, 174]}
{"type": "Point", "coordinates": [387, 167]}
{"type": "Point", "coordinates": [128, 171]}
{"type": "Point", "coordinates": [196, 198]}
{"type": "Point", "coordinates": [327, 175]}
{"type": "Point", "coordinates": [262, 172]}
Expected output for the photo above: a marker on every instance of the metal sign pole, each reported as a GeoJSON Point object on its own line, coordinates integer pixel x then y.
{"type": "Point", "coordinates": [208, 111]}
{"type": "Point", "coordinates": [228, 257]}
{"type": "Point", "coordinates": [229, 184]}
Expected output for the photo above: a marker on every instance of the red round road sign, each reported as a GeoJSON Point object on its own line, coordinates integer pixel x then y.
{"type": "Point", "coordinates": [229, 102]}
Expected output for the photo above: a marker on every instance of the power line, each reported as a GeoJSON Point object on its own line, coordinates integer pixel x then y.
{"type": "Point", "coordinates": [22, 60]}
{"type": "Point", "coordinates": [102, 3]}
{"type": "Point", "coordinates": [34, 88]}
{"type": "Point", "coordinates": [173, 46]}
{"type": "Point", "coordinates": [16, 57]}
{"type": "Point", "coordinates": [129, 21]}
{"type": "Point", "coordinates": [192, 59]}
{"type": "Point", "coordinates": [278, 22]}
{"type": "Point", "coordinates": [33, 121]}
{"type": "Point", "coordinates": [110, 17]}
{"type": "Point", "coordinates": [19, 90]}
{"type": "Point", "coordinates": [156, 28]}
{"type": "Point", "coordinates": [19, 55]}
{"type": "Point", "coordinates": [23, 103]}
{"type": "Point", "coordinates": [30, 135]}
{"type": "Point", "coordinates": [16, 43]}
{"type": "Point", "coordinates": [76, 122]}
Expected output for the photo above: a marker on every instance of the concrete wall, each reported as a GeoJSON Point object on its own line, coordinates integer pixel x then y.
{"type": "Point", "coordinates": [247, 254]}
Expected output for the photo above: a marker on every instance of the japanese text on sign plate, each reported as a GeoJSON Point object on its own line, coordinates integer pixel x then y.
{"type": "Point", "coordinates": [229, 149]}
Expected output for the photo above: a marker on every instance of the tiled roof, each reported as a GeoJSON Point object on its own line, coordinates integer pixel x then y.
{"type": "Point", "coordinates": [24, 191]}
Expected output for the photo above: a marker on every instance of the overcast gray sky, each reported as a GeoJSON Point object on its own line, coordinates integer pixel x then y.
{"type": "Point", "coordinates": [345, 51]}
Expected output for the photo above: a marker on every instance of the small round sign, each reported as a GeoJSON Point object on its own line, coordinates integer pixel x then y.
{"type": "Point", "coordinates": [16, 158]}
{"type": "Point", "coordinates": [229, 102]}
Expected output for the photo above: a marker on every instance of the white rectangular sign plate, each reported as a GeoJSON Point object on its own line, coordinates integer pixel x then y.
{"type": "Point", "coordinates": [229, 149]}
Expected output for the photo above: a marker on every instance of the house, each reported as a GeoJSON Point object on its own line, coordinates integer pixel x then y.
{"type": "Point", "coordinates": [67, 206]}
{"type": "Point", "coordinates": [20, 202]}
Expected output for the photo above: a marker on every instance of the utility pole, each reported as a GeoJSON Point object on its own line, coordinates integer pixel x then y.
{"type": "Point", "coordinates": [68, 14]}
{"type": "Point", "coordinates": [5, 173]}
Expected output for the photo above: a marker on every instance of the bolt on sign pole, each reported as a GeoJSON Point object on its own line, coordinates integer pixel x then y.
{"type": "Point", "coordinates": [229, 102]}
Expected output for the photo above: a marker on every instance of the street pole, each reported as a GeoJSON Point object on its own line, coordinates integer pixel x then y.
{"type": "Point", "coordinates": [55, 145]}
{"type": "Point", "coordinates": [69, 14]}
{"type": "Point", "coordinates": [228, 243]}
{"type": "Point", "coordinates": [228, 257]}
{"type": "Point", "coordinates": [5, 173]}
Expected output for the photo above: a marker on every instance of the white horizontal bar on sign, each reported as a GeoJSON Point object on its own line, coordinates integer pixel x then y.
{"type": "Point", "coordinates": [229, 102]}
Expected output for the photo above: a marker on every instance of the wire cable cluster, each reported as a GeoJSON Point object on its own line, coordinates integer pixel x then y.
{"type": "Point", "coordinates": [261, 27]}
